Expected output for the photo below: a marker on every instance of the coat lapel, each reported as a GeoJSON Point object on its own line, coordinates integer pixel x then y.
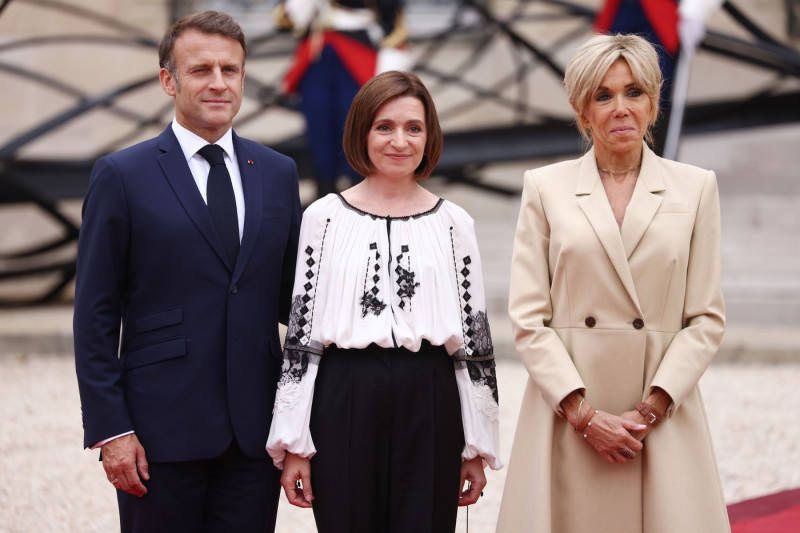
{"type": "Point", "coordinates": [593, 201]}
{"type": "Point", "coordinates": [253, 187]}
{"type": "Point", "coordinates": [173, 164]}
{"type": "Point", "coordinates": [644, 203]}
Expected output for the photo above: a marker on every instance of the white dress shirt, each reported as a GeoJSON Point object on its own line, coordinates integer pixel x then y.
{"type": "Point", "coordinates": [190, 144]}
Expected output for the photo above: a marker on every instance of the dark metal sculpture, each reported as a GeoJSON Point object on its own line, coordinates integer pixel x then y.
{"type": "Point", "coordinates": [524, 128]}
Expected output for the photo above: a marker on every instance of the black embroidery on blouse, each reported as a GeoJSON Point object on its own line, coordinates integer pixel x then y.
{"type": "Point", "coordinates": [466, 284]}
{"type": "Point", "coordinates": [373, 216]}
{"type": "Point", "coordinates": [480, 338]}
{"type": "Point", "coordinates": [405, 278]}
{"type": "Point", "coordinates": [478, 349]}
{"type": "Point", "coordinates": [301, 315]}
{"type": "Point", "coordinates": [370, 303]}
{"type": "Point", "coordinates": [295, 365]}
{"type": "Point", "coordinates": [295, 334]}
{"type": "Point", "coordinates": [483, 373]}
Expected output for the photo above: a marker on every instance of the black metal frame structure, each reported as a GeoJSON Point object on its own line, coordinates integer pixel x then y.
{"type": "Point", "coordinates": [531, 131]}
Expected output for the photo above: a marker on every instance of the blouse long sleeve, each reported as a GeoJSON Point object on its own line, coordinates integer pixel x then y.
{"type": "Point", "coordinates": [302, 350]}
{"type": "Point", "coordinates": [474, 361]}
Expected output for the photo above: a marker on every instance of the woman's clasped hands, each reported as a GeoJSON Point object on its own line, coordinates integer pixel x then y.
{"type": "Point", "coordinates": [617, 439]}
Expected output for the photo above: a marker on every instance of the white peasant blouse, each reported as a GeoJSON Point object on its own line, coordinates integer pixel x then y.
{"type": "Point", "coordinates": [394, 282]}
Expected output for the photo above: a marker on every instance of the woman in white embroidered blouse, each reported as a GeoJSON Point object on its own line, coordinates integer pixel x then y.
{"type": "Point", "coordinates": [386, 411]}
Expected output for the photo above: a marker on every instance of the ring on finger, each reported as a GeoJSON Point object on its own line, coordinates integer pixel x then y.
{"type": "Point", "coordinates": [627, 453]}
{"type": "Point", "coordinates": [114, 481]}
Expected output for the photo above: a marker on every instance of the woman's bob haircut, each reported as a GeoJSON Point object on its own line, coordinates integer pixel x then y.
{"type": "Point", "coordinates": [372, 96]}
{"type": "Point", "coordinates": [591, 62]}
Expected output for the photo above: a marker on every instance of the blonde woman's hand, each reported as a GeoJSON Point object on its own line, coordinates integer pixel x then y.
{"type": "Point", "coordinates": [612, 437]}
{"type": "Point", "coordinates": [636, 416]}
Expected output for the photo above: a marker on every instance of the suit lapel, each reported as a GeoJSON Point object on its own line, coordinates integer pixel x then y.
{"type": "Point", "coordinates": [173, 164]}
{"type": "Point", "coordinates": [593, 201]}
{"type": "Point", "coordinates": [644, 203]}
{"type": "Point", "coordinates": [253, 187]}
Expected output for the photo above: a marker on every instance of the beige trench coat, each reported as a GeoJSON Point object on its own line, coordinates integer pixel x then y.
{"type": "Point", "coordinates": [571, 262]}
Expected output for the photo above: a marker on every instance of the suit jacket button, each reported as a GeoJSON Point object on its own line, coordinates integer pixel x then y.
{"type": "Point", "coordinates": [234, 289]}
{"type": "Point", "coordinates": [638, 323]}
{"type": "Point", "coordinates": [590, 321]}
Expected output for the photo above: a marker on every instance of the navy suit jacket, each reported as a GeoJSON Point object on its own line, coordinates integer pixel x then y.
{"type": "Point", "coordinates": [199, 355]}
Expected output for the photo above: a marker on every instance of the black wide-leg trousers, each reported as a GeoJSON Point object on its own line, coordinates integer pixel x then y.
{"type": "Point", "coordinates": [387, 427]}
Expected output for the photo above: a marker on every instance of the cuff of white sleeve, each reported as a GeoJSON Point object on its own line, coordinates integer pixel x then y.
{"type": "Point", "coordinates": [279, 457]}
{"type": "Point", "coordinates": [106, 441]}
{"type": "Point", "coordinates": [470, 452]}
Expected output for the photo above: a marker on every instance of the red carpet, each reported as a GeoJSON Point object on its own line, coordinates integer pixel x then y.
{"type": "Point", "coordinates": [775, 513]}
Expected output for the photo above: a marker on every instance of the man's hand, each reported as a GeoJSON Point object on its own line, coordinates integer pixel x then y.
{"type": "Point", "coordinates": [125, 464]}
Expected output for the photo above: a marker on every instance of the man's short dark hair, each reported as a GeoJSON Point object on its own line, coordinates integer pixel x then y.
{"type": "Point", "coordinates": [210, 22]}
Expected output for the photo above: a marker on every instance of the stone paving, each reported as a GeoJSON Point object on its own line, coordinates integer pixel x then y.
{"type": "Point", "coordinates": [48, 484]}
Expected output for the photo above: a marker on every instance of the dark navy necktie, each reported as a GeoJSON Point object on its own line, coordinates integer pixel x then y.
{"type": "Point", "coordinates": [221, 202]}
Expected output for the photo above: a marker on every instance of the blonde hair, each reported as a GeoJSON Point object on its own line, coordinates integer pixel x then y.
{"type": "Point", "coordinates": [595, 57]}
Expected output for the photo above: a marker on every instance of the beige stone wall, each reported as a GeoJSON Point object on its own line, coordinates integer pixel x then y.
{"type": "Point", "coordinates": [90, 69]}
{"type": "Point", "coordinates": [93, 69]}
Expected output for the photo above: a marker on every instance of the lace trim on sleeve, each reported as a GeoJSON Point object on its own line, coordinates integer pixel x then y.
{"type": "Point", "coordinates": [295, 367]}
{"type": "Point", "coordinates": [300, 349]}
{"type": "Point", "coordinates": [478, 350]}
{"type": "Point", "coordinates": [484, 387]}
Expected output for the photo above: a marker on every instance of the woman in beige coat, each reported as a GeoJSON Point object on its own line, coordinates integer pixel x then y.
{"type": "Point", "coordinates": [617, 312]}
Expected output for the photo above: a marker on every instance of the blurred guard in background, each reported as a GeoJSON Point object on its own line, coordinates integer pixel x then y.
{"type": "Point", "coordinates": [671, 27]}
{"type": "Point", "coordinates": [343, 44]}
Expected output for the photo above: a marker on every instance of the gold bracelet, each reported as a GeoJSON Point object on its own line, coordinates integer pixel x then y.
{"type": "Point", "coordinates": [578, 417]}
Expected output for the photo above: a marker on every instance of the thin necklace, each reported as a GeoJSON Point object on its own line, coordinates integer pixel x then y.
{"type": "Point", "coordinates": [621, 171]}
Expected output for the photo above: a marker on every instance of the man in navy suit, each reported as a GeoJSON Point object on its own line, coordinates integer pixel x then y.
{"type": "Point", "coordinates": [179, 399]}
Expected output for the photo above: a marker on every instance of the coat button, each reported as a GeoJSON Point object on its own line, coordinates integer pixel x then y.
{"type": "Point", "coordinates": [590, 321]}
{"type": "Point", "coordinates": [638, 323]}
{"type": "Point", "coordinates": [234, 289]}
